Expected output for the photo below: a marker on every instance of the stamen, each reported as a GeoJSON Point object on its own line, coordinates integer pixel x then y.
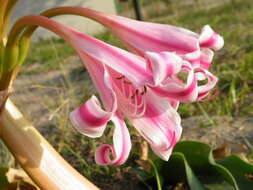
{"type": "Point", "coordinates": [135, 93]}
{"type": "Point", "coordinates": [143, 103]}
{"type": "Point", "coordinates": [129, 91]}
{"type": "Point", "coordinates": [135, 105]}
{"type": "Point", "coordinates": [144, 90]}
{"type": "Point", "coordinates": [141, 107]}
{"type": "Point", "coordinates": [134, 96]}
{"type": "Point", "coordinates": [121, 77]}
{"type": "Point", "coordinates": [123, 88]}
{"type": "Point", "coordinates": [127, 82]}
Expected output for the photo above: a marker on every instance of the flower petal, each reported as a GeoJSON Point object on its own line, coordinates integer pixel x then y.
{"type": "Point", "coordinates": [89, 119]}
{"type": "Point", "coordinates": [146, 36]}
{"type": "Point", "coordinates": [160, 125]}
{"type": "Point", "coordinates": [176, 89]}
{"type": "Point", "coordinates": [206, 58]}
{"type": "Point", "coordinates": [203, 90]}
{"type": "Point", "coordinates": [208, 38]}
{"type": "Point", "coordinates": [163, 65]}
{"type": "Point", "coordinates": [102, 81]}
{"type": "Point", "coordinates": [163, 154]}
{"type": "Point", "coordinates": [121, 145]}
{"type": "Point", "coordinates": [113, 57]}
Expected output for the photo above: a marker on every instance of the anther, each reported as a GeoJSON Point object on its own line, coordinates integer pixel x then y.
{"type": "Point", "coordinates": [144, 90]}
{"type": "Point", "coordinates": [126, 82]}
{"type": "Point", "coordinates": [121, 77]}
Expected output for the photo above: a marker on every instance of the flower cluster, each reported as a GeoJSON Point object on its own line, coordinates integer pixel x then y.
{"type": "Point", "coordinates": [145, 86]}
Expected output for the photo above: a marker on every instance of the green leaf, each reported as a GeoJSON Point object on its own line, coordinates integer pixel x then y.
{"type": "Point", "coordinates": [177, 170]}
{"type": "Point", "coordinates": [241, 171]}
{"type": "Point", "coordinates": [142, 174]}
{"type": "Point", "coordinates": [193, 163]}
{"type": "Point", "coordinates": [200, 158]}
{"type": "Point", "coordinates": [221, 186]}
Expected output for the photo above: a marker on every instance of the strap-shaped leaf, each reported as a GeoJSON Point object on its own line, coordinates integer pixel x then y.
{"type": "Point", "coordinates": [241, 171]}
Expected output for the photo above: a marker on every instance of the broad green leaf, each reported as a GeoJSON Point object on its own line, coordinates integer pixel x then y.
{"type": "Point", "coordinates": [193, 163]}
{"type": "Point", "coordinates": [178, 170]}
{"type": "Point", "coordinates": [200, 158]}
{"type": "Point", "coordinates": [221, 186]}
{"type": "Point", "coordinates": [241, 171]}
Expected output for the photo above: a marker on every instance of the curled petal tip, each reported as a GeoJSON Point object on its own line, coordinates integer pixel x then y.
{"type": "Point", "coordinates": [203, 90]}
{"type": "Point", "coordinates": [208, 38]}
{"type": "Point", "coordinates": [117, 153]}
{"type": "Point", "coordinates": [90, 119]}
{"type": "Point", "coordinates": [102, 156]}
{"type": "Point", "coordinates": [163, 65]}
{"type": "Point", "coordinates": [163, 154]}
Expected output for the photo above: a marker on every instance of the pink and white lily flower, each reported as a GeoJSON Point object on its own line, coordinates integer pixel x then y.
{"type": "Point", "coordinates": [154, 41]}
{"type": "Point", "coordinates": [123, 81]}
{"type": "Point", "coordinates": [145, 90]}
{"type": "Point", "coordinates": [127, 84]}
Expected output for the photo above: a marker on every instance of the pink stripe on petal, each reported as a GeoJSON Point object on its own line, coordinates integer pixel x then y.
{"type": "Point", "coordinates": [160, 125]}
{"type": "Point", "coordinates": [102, 80]}
{"type": "Point", "coordinates": [174, 103]}
{"type": "Point", "coordinates": [163, 65]}
{"type": "Point", "coordinates": [102, 155]}
{"type": "Point", "coordinates": [92, 114]}
{"type": "Point", "coordinates": [90, 119]}
{"type": "Point", "coordinates": [176, 89]}
{"type": "Point", "coordinates": [115, 58]}
{"type": "Point", "coordinates": [146, 36]}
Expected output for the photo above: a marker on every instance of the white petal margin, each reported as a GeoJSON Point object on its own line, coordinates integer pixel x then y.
{"type": "Point", "coordinates": [203, 90]}
{"type": "Point", "coordinates": [90, 119]}
{"type": "Point", "coordinates": [176, 89]}
{"type": "Point", "coordinates": [163, 154]}
{"type": "Point", "coordinates": [121, 145]}
{"type": "Point", "coordinates": [163, 65]}
{"type": "Point", "coordinates": [208, 38]}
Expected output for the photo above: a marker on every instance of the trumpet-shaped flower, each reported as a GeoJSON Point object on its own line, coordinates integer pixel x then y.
{"type": "Point", "coordinates": [124, 83]}
{"type": "Point", "coordinates": [145, 90]}
{"type": "Point", "coordinates": [145, 36]}
{"type": "Point", "coordinates": [141, 37]}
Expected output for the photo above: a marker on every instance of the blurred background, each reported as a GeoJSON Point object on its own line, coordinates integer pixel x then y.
{"type": "Point", "coordinates": [53, 82]}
